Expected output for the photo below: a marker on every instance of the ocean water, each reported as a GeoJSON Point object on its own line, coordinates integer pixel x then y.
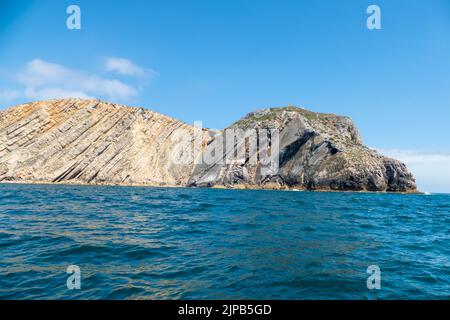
{"type": "Point", "coordinates": [176, 243]}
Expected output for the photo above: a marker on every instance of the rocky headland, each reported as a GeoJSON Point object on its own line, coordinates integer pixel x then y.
{"type": "Point", "coordinates": [95, 142]}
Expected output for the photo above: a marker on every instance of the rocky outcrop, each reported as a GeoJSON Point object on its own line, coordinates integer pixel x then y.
{"type": "Point", "coordinates": [86, 141]}
{"type": "Point", "coordinates": [90, 141]}
{"type": "Point", "coordinates": [316, 152]}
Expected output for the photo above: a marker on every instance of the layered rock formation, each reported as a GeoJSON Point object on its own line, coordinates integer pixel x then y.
{"type": "Point", "coordinates": [85, 141]}
{"type": "Point", "coordinates": [316, 152]}
{"type": "Point", "coordinates": [89, 141]}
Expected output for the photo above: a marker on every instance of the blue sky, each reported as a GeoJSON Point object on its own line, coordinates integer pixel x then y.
{"type": "Point", "coordinates": [217, 60]}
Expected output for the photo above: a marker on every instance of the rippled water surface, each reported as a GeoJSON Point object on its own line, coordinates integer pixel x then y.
{"type": "Point", "coordinates": [158, 243]}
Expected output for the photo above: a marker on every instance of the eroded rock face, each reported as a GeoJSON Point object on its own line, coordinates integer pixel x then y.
{"type": "Point", "coordinates": [87, 141]}
{"type": "Point", "coordinates": [90, 141]}
{"type": "Point", "coordinates": [316, 152]}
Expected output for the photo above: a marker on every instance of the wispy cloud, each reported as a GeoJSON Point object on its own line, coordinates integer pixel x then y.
{"type": "Point", "coordinates": [126, 67]}
{"type": "Point", "coordinates": [54, 93]}
{"type": "Point", "coordinates": [40, 80]}
{"type": "Point", "coordinates": [123, 66]}
{"type": "Point", "coordinates": [43, 80]}
{"type": "Point", "coordinates": [431, 169]}
{"type": "Point", "coordinates": [9, 95]}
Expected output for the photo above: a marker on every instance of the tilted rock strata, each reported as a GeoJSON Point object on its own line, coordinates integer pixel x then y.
{"type": "Point", "coordinates": [90, 141]}
{"type": "Point", "coordinates": [85, 141]}
{"type": "Point", "coordinates": [317, 152]}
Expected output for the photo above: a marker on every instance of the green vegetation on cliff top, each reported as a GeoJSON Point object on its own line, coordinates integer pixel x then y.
{"type": "Point", "coordinates": [270, 113]}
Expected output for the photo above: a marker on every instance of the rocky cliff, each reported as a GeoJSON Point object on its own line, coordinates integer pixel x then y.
{"type": "Point", "coordinates": [90, 141]}
{"type": "Point", "coordinates": [85, 141]}
{"type": "Point", "coordinates": [316, 152]}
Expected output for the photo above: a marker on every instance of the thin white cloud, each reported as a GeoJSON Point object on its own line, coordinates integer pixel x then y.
{"type": "Point", "coordinates": [126, 67]}
{"type": "Point", "coordinates": [54, 93]}
{"type": "Point", "coordinates": [40, 73]}
{"type": "Point", "coordinates": [45, 80]}
{"type": "Point", "coordinates": [431, 169]}
{"type": "Point", "coordinates": [9, 95]}
{"type": "Point", "coordinates": [123, 67]}
{"type": "Point", "coordinates": [41, 80]}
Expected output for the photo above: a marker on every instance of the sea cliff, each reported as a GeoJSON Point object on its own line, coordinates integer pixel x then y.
{"type": "Point", "coordinates": [95, 142]}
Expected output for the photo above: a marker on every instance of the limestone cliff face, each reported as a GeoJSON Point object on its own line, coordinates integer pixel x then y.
{"type": "Point", "coordinates": [86, 141]}
{"type": "Point", "coordinates": [90, 141]}
{"type": "Point", "coordinates": [316, 152]}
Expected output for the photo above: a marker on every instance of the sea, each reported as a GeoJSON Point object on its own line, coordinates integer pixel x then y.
{"type": "Point", "coordinates": [101, 242]}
